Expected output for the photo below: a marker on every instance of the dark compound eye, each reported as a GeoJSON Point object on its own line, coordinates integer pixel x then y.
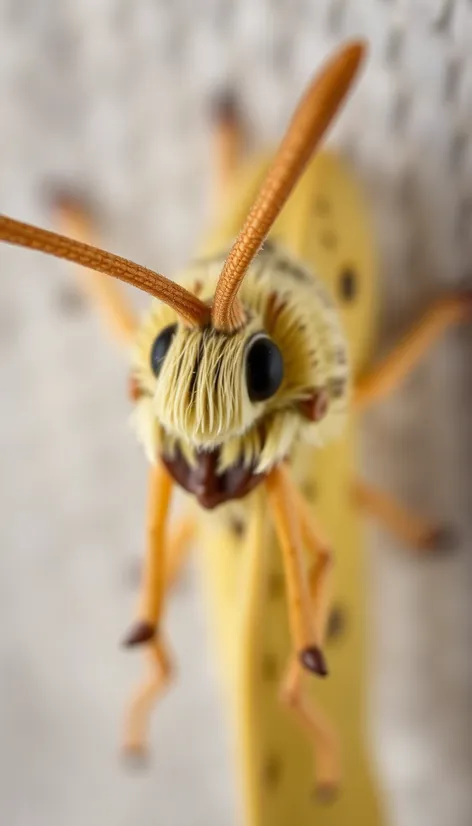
{"type": "Point", "coordinates": [160, 347]}
{"type": "Point", "coordinates": [347, 284]}
{"type": "Point", "coordinates": [264, 369]}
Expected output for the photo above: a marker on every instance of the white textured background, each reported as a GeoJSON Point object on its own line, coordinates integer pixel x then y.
{"type": "Point", "coordinates": [112, 97]}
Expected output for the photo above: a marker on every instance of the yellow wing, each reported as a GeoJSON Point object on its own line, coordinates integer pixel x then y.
{"type": "Point", "coordinates": [325, 225]}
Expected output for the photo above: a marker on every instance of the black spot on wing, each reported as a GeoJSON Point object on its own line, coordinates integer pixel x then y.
{"type": "Point", "coordinates": [272, 770]}
{"type": "Point", "coordinates": [347, 285]}
{"type": "Point", "coordinates": [290, 269]}
{"type": "Point", "coordinates": [337, 623]}
{"type": "Point", "coordinates": [269, 667]}
{"type": "Point", "coordinates": [238, 527]}
{"type": "Point", "coordinates": [322, 206]}
{"type": "Point", "coordinates": [309, 489]}
{"type": "Point", "coordinates": [329, 239]}
{"type": "Point", "coordinates": [275, 585]}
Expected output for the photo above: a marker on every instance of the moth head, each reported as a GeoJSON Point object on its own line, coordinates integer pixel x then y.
{"type": "Point", "coordinates": [213, 367]}
{"type": "Point", "coordinates": [205, 385]}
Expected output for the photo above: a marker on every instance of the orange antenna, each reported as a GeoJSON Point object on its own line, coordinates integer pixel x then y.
{"type": "Point", "coordinates": [187, 305]}
{"type": "Point", "coordinates": [312, 117]}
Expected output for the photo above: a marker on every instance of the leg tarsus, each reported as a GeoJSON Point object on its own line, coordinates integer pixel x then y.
{"type": "Point", "coordinates": [439, 539]}
{"type": "Point", "coordinates": [319, 730]}
{"type": "Point", "coordinates": [386, 376]}
{"type": "Point", "coordinates": [282, 496]}
{"type": "Point", "coordinates": [412, 529]}
{"type": "Point", "coordinates": [138, 714]}
{"type": "Point", "coordinates": [137, 721]}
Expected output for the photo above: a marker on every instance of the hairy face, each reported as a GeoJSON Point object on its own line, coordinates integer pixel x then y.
{"type": "Point", "coordinates": [241, 393]}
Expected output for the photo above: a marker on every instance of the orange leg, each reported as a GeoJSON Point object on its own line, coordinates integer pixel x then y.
{"type": "Point", "coordinates": [179, 546]}
{"type": "Point", "coordinates": [384, 378]}
{"type": "Point", "coordinates": [154, 579]}
{"type": "Point", "coordinates": [153, 686]}
{"type": "Point", "coordinates": [74, 220]}
{"type": "Point", "coordinates": [319, 730]}
{"type": "Point", "coordinates": [412, 529]}
{"type": "Point", "coordinates": [312, 720]}
{"type": "Point", "coordinates": [308, 715]}
{"type": "Point", "coordinates": [320, 574]}
{"type": "Point", "coordinates": [281, 494]}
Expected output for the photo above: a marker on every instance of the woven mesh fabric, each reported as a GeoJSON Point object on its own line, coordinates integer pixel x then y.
{"type": "Point", "coordinates": [112, 98]}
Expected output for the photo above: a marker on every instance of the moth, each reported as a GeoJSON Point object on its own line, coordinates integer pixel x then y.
{"type": "Point", "coordinates": [245, 371]}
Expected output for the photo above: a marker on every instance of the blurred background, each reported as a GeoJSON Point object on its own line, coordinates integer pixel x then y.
{"type": "Point", "coordinates": [112, 97]}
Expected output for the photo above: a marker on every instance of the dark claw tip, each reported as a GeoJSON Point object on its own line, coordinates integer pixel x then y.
{"type": "Point", "coordinates": [65, 196]}
{"type": "Point", "coordinates": [443, 539]}
{"type": "Point", "coordinates": [135, 758]}
{"type": "Point", "coordinates": [313, 660]}
{"type": "Point", "coordinates": [224, 107]}
{"type": "Point", "coordinates": [326, 793]}
{"type": "Point", "coordinates": [140, 633]}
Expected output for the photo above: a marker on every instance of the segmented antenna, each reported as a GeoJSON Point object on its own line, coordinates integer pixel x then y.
{"type": "Point", "coordinates": [312, 117]}
{"type": "Point", "coordinates": [187, 305]}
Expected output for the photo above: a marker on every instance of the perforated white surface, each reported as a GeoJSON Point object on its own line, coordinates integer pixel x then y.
{"type": "Point", "coordinates": [113, 97]}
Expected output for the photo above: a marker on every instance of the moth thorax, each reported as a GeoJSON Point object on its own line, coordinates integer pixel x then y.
{"type": "Point", "coordinates": [201, 396]}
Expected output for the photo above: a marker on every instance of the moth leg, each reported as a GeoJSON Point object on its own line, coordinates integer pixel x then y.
{"type": "Point", "coordinates": [228, 143]}
{"type": "Point", "coordinates": [136, 727]}
{"type": "Point", "coordinates": [154, 578]}
{"type": "Point", "coordinates": [74, 220]}
{"type": "Point", "coordinates": [318, 728]}
{"type": "Point", "coordinates": [405, 524]}
{"type": "Point", "coordinates": [159, 661]}
{"type": "Point", "coordinates": [180, 542]}
{"type": "Point", "coordinates": [386, 376]}
{"type": "Point", "coordinates": [287, 525]}
{"type": "Point", "coordinates": [321, 572]}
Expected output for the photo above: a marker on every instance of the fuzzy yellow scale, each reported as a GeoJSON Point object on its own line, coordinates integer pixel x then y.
{"type": "Point", "coordinates": [298, 314]}
{"type": "Point", "coordinates": [324, 226]}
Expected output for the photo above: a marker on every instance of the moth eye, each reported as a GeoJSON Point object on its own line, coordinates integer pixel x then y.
{"type": "Point", "coordinates": [264, 369]}
{"type": "Point", "coordinates": [160, 347]}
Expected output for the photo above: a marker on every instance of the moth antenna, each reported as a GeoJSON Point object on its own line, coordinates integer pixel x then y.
{"type": "Point", "coordinates": [312, 117]}
{"type": "Point", "coordinates": [188, 306]}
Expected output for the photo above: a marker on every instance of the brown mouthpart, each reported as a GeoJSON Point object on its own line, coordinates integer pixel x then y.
{"type": "Point", "coordinates": [203, 481]}
{"type": "Point", "coordinates": [188, 306]}
{"type": "Point", "coordinates": [312, 118]}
